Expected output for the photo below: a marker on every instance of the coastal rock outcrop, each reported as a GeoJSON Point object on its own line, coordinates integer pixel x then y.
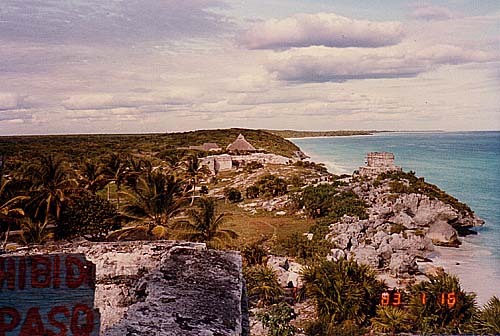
{"type": "Point", "coordinates": [401, 226]}
{"type": "Point", "coordinates": [367, 255]}
{"type": "Point", "coordinates": [442, 233]}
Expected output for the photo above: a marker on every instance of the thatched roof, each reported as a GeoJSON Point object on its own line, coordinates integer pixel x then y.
{"type": "Point", "coordinates": [207, 146]}
{"type": "Point", "coordinates": [240, 144]}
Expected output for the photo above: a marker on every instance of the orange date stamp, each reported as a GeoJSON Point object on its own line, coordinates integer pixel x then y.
{"type": "Point", "coordinates": [394, 298]}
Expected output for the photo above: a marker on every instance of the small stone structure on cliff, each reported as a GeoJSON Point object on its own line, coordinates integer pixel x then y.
{"type": "Point", "coordinates": [377, 163]}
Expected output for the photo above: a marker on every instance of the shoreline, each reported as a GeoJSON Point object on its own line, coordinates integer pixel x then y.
{"type": "Point", "coordinates": [335, 136]}
{"type": "Point", "coordinates": [471, 264]}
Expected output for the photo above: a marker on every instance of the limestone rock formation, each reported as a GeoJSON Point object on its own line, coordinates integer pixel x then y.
{"type": "Point", "coordinates": [164, 287]}
{"type": "Point", "coordinates": [402, 264]}
{"type": "Point", "coordinates": [286, 271]}
{"type": "Point", "coordinates": [367, 255]}
{"type": "Point", "coordinates": [400, 228]}
{"type": "Point", "coordinates": [193, 292]}
{"type": "Point", "coordinates": [442, 233]}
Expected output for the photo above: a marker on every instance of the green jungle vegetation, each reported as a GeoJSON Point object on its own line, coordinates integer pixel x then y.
{"type": "Point", "coordinates": [75, 147]}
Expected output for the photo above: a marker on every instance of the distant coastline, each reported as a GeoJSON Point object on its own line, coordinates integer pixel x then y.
{"type": "Point", "coordinates": [315, 134]}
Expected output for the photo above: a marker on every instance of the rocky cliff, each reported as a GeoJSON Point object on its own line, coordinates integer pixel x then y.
{"type": "Point", "coordinates": [406, 219]}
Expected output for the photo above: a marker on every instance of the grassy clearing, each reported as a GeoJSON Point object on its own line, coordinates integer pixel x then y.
{"type": "Point", "coordinates": [253, 227]}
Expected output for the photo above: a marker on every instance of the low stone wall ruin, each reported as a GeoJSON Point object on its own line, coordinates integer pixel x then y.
{"type": "Point", "coordinates": [163, 288]}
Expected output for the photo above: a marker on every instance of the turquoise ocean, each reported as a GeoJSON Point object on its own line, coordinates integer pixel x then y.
{"type": "Point", "coordinates": [464, 164]}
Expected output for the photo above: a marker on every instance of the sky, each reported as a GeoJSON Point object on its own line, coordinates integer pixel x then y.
{"type": "Point", "coordinates": [140, 66]}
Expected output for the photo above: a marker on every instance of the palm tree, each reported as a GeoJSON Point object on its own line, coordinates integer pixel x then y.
{"type": "Point", "coordinates": [194, 171]}
{"type": "Point", "coordinates": [116, 170]}
{"type": "Point", "coordinates": [204, 224]}
{"type": "Point", "coordinates": [93, 177]}
{"type": "Point", "coordinates": [9, 212]}
{"type": "Point", "coordinates": [157, 197]}
{"type": "Point", "coordinates": [173, 157]}
{"type": "Point", "coordinates": [136, 167]}
{"type": "Point", "coordinates": [51, 186]}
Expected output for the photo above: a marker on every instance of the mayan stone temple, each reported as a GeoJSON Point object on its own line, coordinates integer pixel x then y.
{"type": "Point", "coordinates": [378, 162]}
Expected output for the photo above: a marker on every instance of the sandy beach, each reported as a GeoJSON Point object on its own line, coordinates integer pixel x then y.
{"type": "Point", "coordinates": [475, 267]}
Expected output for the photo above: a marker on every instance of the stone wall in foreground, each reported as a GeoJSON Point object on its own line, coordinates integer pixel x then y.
{"type": "Point", "coordinates": [164, 288]}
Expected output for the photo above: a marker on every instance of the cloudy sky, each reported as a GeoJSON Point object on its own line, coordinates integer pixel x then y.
{"type": "Point", "coordinates": [132, 66]}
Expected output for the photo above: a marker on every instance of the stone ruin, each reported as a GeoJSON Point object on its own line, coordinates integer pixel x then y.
{"type": "Point", "coordinates": [377, 163]}
{"type": "Point", "coordinates": [164, 287]}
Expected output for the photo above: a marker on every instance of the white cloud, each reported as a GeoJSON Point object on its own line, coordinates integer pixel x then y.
{"type": "Point", "coordinates": [327, 29]}
{"type": "Point", "coordinates": [321, 64]}
{"type": "Point", "coordinates": [105, 101]}
{"type": "Point", "coordinates": [430, 12]}
{"type": "Point", "coordinates": [9, 101]}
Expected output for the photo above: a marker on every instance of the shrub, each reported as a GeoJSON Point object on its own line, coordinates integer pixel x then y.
{"type": "Point", "coordinates": [488, 319]}
{"type": "Point", "coordinates": [397, 228]}
{"type": "Point", "coordinates": [398, 187]}
{"type": "Point", "coordinates": [233, 195]}
{"type": "Point", "coordinates": [306, 251]}
{"type": "Point", "coordinates": [343, 291]}
{"type": "Point", "coordinates": [90, 216]}
{"type": "Point", "coordinates": [262, 284]}
{"type": "Point", "coordinates": [418, 185]}
{"type": "Point", "coordinates": [391, 319]}
{"type": "Point", "coordinates": [446, 308]}
{"type": "Point", "coordinates": [319, 167]}
{"type": "Point", "coordinates": [295, 181]}
{"type": "Point", "coordinates": [345, 328]}
{"type": "Point", "coordinates": [347, 203]}
{"type": "Point", "coordinates": [252, 192]}
{"type": "Point", "coordinates": [271, 186]}
{"type": "Point", "coordinates": [253, 165]}
{"type": "Point", "coordinates": [254, 254]}
{"type": "Point", "coordinates": [326, 200]}
{"type": "Point", "coordinates": [34, 232]}
{"type": "Point", "coordinates": [317, 200]}
{"type": "Point", "coordinates": [277, 319]}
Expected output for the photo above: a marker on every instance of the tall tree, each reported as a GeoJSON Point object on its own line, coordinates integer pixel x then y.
{"type": "Point", "coordinates": [9, 211]}
{"type": "Point", "coordinates": [51, 185]}
{"type": "Point", "coordinates": [116, 171]}
{"type": "Point", "coordinates": [157, 197]}
{"type": "Point", "coordinates": [93, 178]}
{"type": "Point", "coordinates": [194, 171]}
